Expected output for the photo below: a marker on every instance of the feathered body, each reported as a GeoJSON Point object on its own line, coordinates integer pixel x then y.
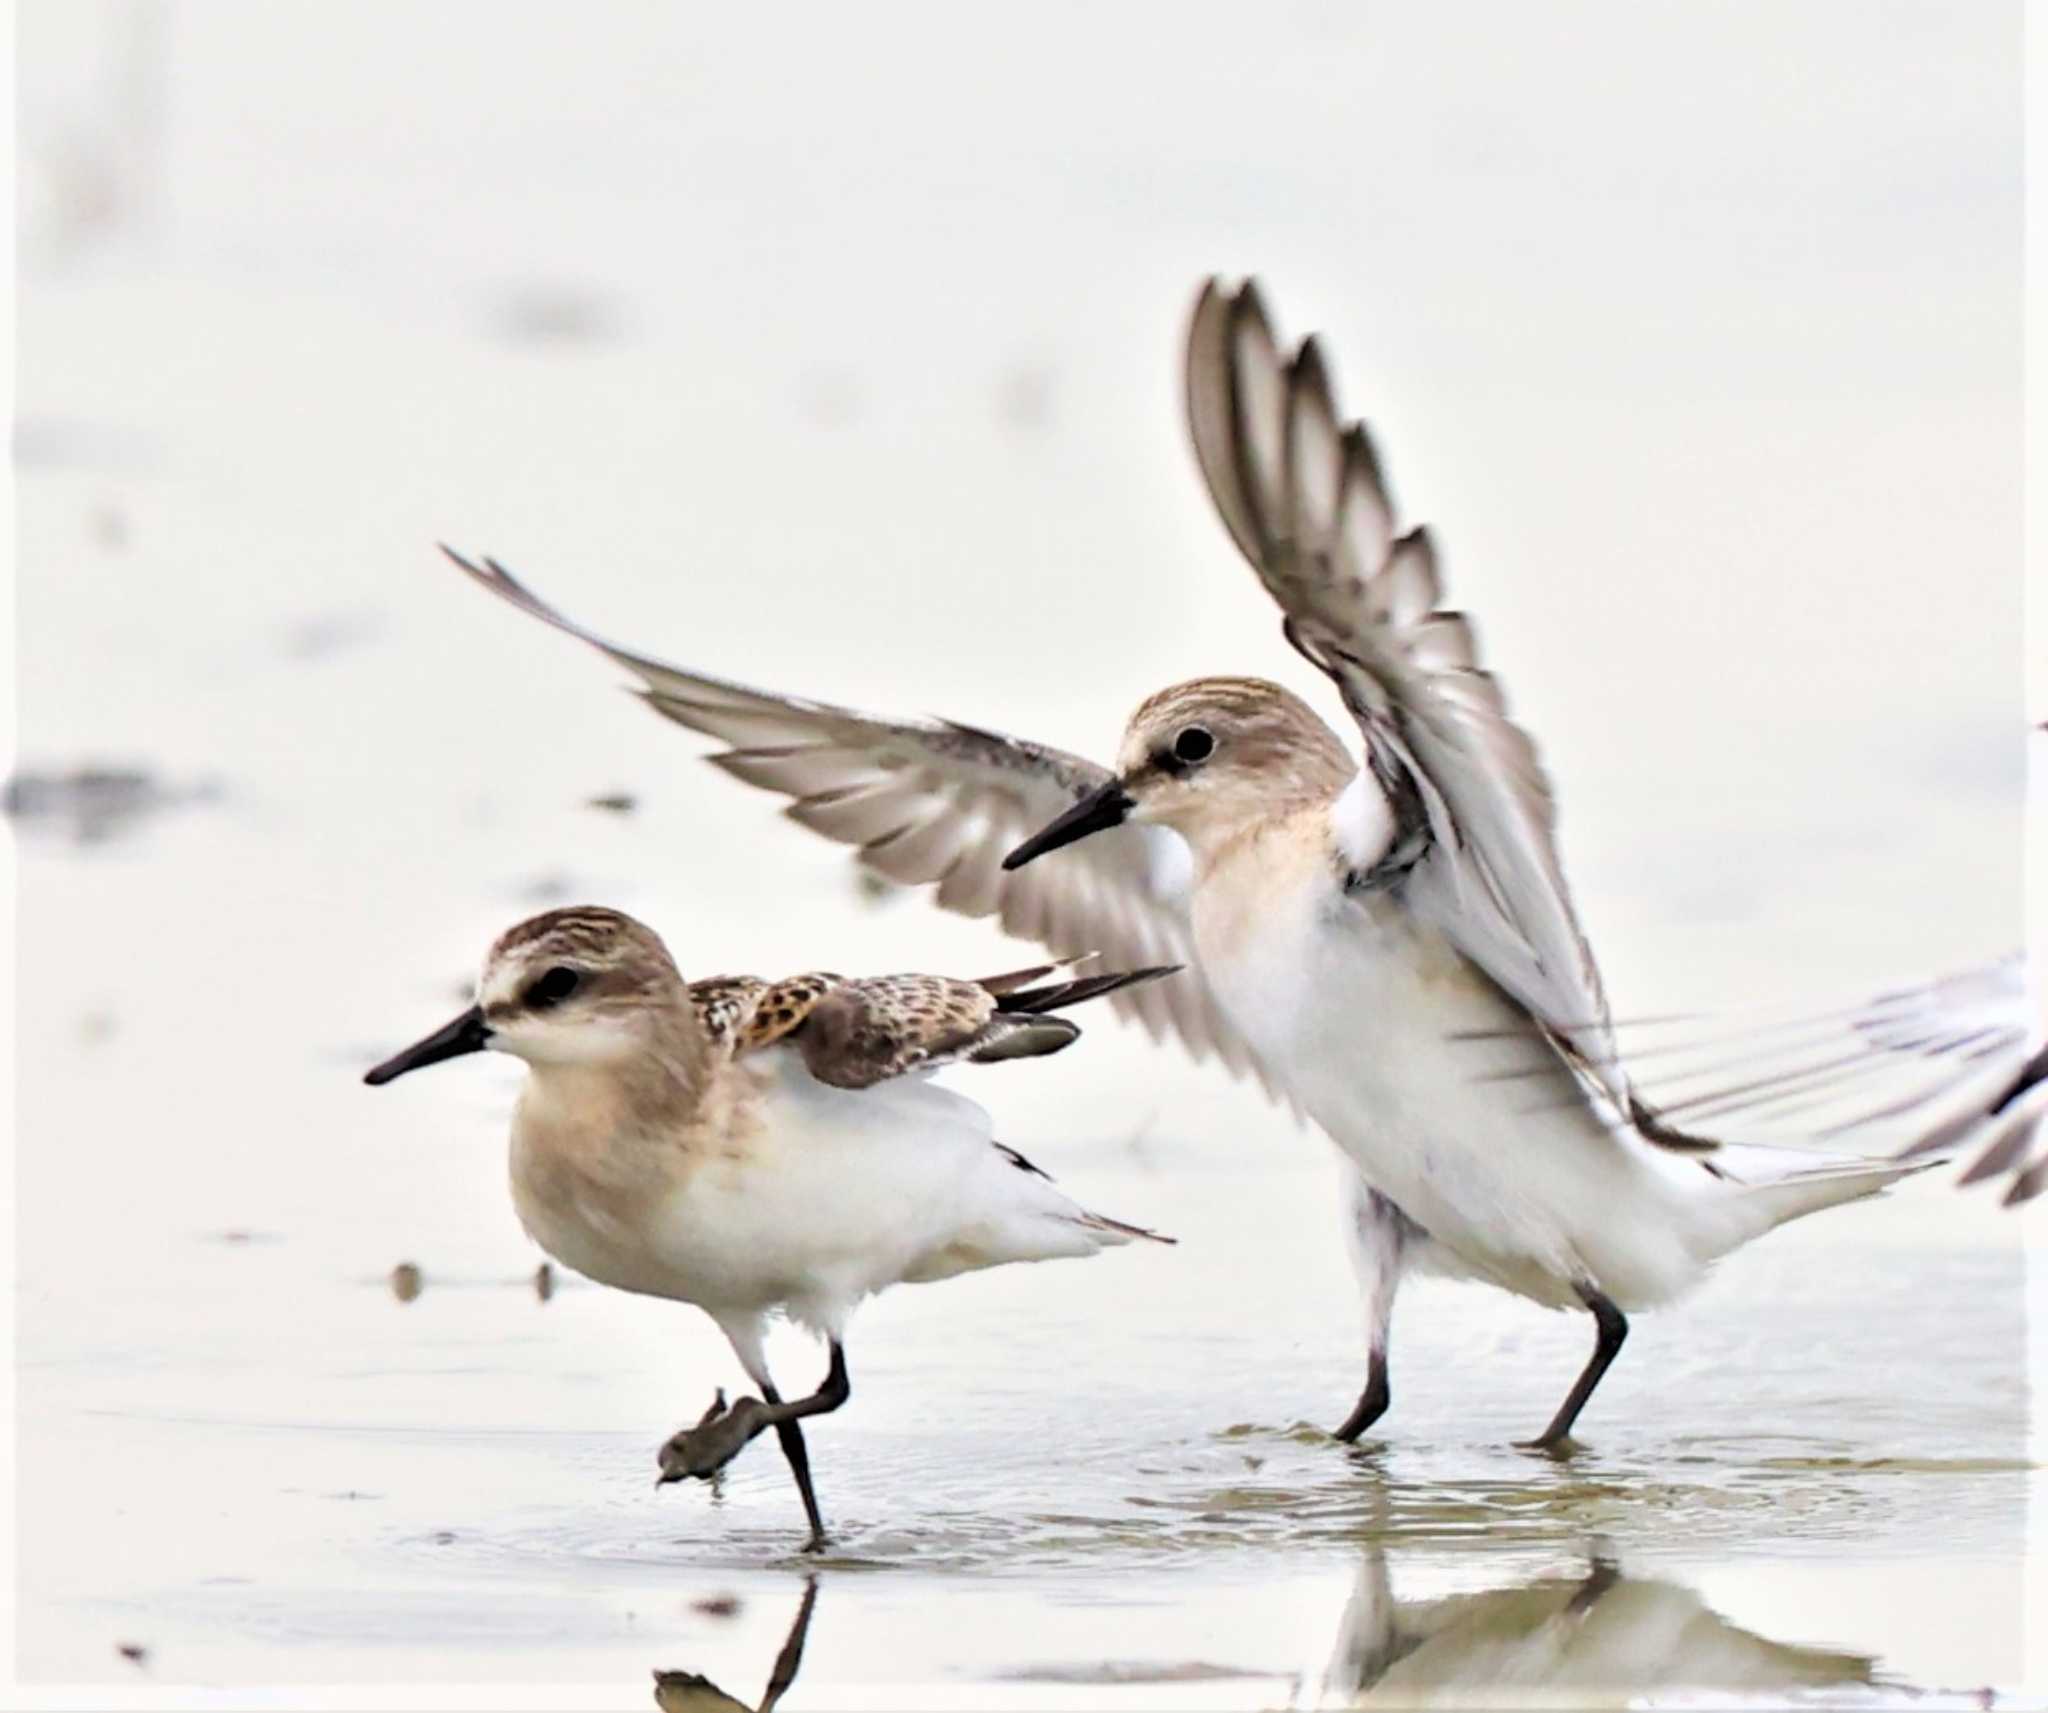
{"type": "Point", "coordinates": [1451, 1105]}
{"type": "Point", "coordinates": [798, 1176]}
{"type": "Point", "coordinates": [758, 1147]}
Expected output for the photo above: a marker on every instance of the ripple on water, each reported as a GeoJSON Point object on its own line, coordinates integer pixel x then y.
{"type": "Point", "coordinates": [1208, 1498]}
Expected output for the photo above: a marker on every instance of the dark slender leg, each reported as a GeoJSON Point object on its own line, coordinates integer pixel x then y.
{"type": "Point", "coordinates": [1381, 1237]}
{"type": "Point", "coordinates": [792, 1655]}
{"type": "Point", "coordinates": [1372, 1402]}
{"type": "Point", "coordinates": [1613, 1328]}
{"type": "Point", "coordinates": [835, 1390]}
{"type": "Point", "coordinates": [1601, 1575]}
{"type": "Point", "coordinates": [691, 1689]}
{"type": "Point", "coordinates": [723, 1433]}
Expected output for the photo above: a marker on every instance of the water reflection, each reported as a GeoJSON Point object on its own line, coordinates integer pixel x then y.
{"type": "Point", "coordinates": [1592, 1637]}
{"type": "Point", "coordinates": [692, 1692]}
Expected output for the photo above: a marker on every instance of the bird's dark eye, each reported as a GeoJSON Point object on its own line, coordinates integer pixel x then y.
{"type": "Point", "coordinates": [1194, 744]}
{"type": "Point", "coordinates": [553, 988]}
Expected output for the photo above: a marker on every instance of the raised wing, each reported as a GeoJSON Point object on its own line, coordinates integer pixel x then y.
{"type": "Point", "coordinates": [935, 803]}
{"type": "Point", "coordinates": [1302, 495]}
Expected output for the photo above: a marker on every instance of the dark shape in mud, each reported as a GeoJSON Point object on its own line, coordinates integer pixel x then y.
{"type": "Point", "coordinates": [544, 1280]}
{"type": "Point", "coordinates": [613, 802]}
{"type": "Point", "coordinates": [94, 803]}
{"type": "Point", "coordinates": [558, 313]}
{"type": "Point", "coordinates": [720, 1434]}
{"type": "Point", "coordinates": [108, 528]}
{"type": "Point", "coordinates": [133, 1652]}
{"type": "Point", "coordinates": [692, 1692]}
{"type": "Point", "coordinates": [1024, 397]}
{"type": "Point", "coordinates": [407, 1281]}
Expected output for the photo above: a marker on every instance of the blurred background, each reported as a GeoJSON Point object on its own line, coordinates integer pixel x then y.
{"type": "Point", "coordinates": [838, 351]}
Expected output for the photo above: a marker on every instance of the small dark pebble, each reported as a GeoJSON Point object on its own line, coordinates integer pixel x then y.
{"type": "Point", "coordinates": [443, 1537]}
{"type": "Point", "coordinates": [133, 1652]}
{"type": "Point", "coordinates": [613, 802]}
{"type": "Point", "coordinates": [558, 312]}
{"type": "Point", "coordinates": [108, 527]}
{"type": "Point", "coordinates": [717, 1606]}
{"type": "Point", "coordinates": [1024, 397]}
{"type": "Point", "coordinates": [407, 1281]}
{"type": "Point", "coordinates": [544, 1280]}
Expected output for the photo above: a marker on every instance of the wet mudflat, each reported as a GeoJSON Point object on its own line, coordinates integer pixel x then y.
{"type": "Point", "coordinates": [291, 1409]}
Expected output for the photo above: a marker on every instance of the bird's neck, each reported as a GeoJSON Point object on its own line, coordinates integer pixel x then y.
{"type": "Point", "coordinates": [657, 1086]}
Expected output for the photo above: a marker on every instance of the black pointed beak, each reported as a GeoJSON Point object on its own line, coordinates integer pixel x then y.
{"type": "Point", "coordinates": [469, 1033]}
{"type": "Point", "coordinates": [1095, 813]}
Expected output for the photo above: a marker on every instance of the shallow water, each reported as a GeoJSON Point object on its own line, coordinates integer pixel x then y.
{"type": "Point", "coordinates": [498, 286]}
{"type": "Point", "coordinates": [246, 1452]}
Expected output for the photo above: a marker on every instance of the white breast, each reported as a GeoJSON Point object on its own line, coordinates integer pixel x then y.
{"type": "Point", "coordinates": [1360, 1009]}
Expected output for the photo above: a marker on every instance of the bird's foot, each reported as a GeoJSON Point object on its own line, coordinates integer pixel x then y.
{"type": "Point", "coordinates": [1559, 1446]}
{"type": "Point", "coordinates": [720, 1435]}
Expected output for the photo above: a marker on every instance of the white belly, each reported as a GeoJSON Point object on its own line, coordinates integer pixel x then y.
{"type": "Point", "coordinates": [810, 1199]}
{"type": "Point", "coordinates": [1357, 1009]}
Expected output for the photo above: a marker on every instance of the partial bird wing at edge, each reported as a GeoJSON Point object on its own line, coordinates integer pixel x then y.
{"type": "Point", "coordinates": [1303, 497]}
{"type": "Point", "coordinates": [1956, 1059]}
{"type": "Point", "coordinates": [935, 803]}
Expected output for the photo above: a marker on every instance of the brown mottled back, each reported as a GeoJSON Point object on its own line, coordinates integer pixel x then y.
{"type": "Point", "coordinates": [854, 1034]}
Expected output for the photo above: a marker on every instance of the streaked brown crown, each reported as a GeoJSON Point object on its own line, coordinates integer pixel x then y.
{"type": "Point", "coordinates": [615, 958]}
{"type": "Point", "coordinates": [1263, 733]}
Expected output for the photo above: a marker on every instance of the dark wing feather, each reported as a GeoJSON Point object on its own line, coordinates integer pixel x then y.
{"type": "Point", "coordinates": [1303, 497]}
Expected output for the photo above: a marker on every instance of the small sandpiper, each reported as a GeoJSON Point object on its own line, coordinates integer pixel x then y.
{"type": "Point", "coordinates": [760, 1147]}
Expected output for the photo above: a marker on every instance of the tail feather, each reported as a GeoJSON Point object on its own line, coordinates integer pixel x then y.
{"type": "Point", "coordinates": [1116, 1231]}
{"type": "Point", "coordinates": [1056, 996]}
{"type": "Point", "coordinates": [1011, 980]}
{"type": "Point", "coordinates": [1783, 1184]}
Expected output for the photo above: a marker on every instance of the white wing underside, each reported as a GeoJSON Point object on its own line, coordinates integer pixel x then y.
{"type": "Point", "coordinates": [1954, 1062]}
{"type": "Point", "coordinates": [938, 804]}
{"type": "Point", "coordinates": [1304, 499]}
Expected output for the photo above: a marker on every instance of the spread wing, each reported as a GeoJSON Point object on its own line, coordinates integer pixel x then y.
{"type": "Point", "coordinates": [1302, 495]}
{"type": "Point", "coordinates": [935, 803]}
{"type": "Point", "coordinates": [1955, 1058]}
